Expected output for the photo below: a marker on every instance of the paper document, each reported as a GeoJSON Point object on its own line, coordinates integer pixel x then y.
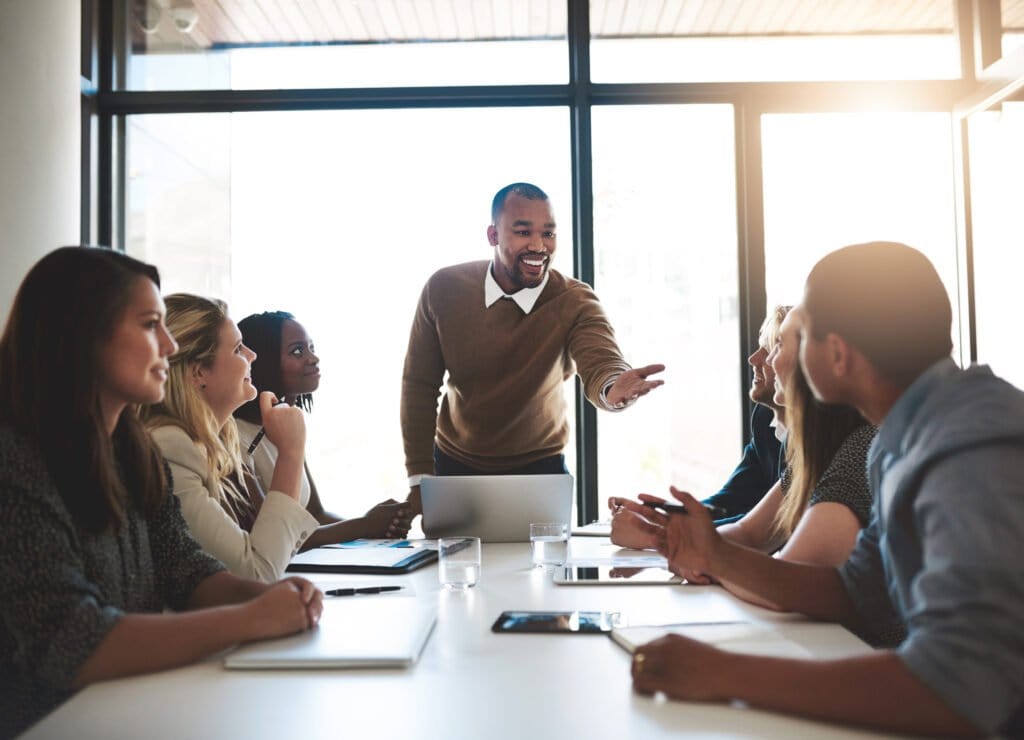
{"type": "Point", "coordinates": [593, 552]}
{"type": "Point", "coordinates": [619, 561]}
{"type": "Point", "coordinates": [736, 637]}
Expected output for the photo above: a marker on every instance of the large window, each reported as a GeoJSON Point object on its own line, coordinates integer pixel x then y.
{"type": "Point", "coordinates": [837, 179]}
{"type": "Point", "coordinates": [665, 268]}
{"type": "Point", "coordinates": [339, 218]}
{"type": "Point", "coordinates": [259, 167]}
{"type": "Point", "coordinates": [997, 158]}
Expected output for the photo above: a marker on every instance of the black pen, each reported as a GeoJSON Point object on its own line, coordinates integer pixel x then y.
{"type": "Point", "coordinates": [365, 590]}
{"type": "Point", "coordinates": [259, 435]}
{"type": "Point", "coordinates": [717, 512]}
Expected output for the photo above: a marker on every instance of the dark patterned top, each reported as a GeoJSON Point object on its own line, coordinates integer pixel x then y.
{"type": "Point", "coordinates": [63, 589]}
{"type": "Point", "coordinates": [845, 480]}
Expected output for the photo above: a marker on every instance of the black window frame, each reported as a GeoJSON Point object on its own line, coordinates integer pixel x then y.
{"type": "Point", "coordinates": [106, 104]}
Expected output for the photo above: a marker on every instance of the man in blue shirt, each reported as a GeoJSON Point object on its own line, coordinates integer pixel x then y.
{"type": "Point", "coordinates": [942, 552]}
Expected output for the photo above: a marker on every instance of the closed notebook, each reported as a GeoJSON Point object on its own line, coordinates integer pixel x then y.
{"type": "Point", "coordinates": [354, 632]}
{"type": "Point", "coordinates": [735, 637]}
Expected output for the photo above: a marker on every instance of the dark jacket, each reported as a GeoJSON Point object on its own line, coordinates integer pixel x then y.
{"type": "Point", "coordinates": [761, 465]}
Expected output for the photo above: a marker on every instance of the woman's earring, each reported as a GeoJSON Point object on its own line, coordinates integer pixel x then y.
{"type": "Point", "coordinates": [202, 386]}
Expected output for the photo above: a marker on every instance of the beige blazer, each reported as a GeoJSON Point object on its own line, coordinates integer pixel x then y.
{"type": "Point", "coordinates": [279, 531]}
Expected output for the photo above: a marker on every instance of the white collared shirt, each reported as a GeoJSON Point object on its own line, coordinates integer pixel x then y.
{"type": "Point", "coordinates": [778, 427]}
{"type": "Point", "coordinates": [525, 298]}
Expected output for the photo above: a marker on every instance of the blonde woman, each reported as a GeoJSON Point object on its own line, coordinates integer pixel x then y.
{"type": "Point", "coordinates": [817, 509]}
{"type": "Point", "coordinates": [226, 511]}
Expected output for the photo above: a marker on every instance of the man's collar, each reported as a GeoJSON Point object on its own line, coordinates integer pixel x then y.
{"type": "Point", "coordinates": [525, 298]}
{"type": "Point", "coordinates": [894, 426]}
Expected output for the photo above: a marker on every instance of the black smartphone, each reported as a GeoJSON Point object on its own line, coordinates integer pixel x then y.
{"type": "Point", "coordinates": [665, 507]}
{"type": "Point", "coordinates": [581, 623]}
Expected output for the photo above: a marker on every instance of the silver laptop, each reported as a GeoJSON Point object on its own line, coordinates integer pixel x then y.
{"type": "Point", "coordinates": [354, 632]}
{"type": "Point", "coordinates": [495, 508]}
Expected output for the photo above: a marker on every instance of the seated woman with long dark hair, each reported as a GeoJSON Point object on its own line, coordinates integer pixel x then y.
{"type": "Point", "coordinates": [287, 366]}
{"type": "Point", "coordinates": [93, 548]}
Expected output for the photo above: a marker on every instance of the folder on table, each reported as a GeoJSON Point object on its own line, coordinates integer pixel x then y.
{"type": "Point", "coordinates": [373, 560]}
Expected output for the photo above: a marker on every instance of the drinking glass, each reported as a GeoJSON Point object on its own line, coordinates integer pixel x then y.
{"type": "Point", "coordinates": [458, 562]}
{"type": "Point", "coordinates": [549, 543]}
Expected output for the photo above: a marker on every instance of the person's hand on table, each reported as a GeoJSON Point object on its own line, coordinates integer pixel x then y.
{"type": "Point", "coordinates": [288, 606]}
{"type": "Point", "coordinates": [680, 668]}
{"type": "Point", "coordinates": [695, 577]}
{"type": "Point", "coordinates": [311, 596]}
{"type": "Point", "coordinates": [632, 384]}
{"type": "Point", "coordinates": [690, 539]}
{"type": "Point", "coordinates": [390, 518]}
{"type": "Point", "coordinates": [634, 525]}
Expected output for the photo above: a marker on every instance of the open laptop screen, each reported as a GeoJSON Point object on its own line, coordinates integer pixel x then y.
{"type": "Point", "coordinates": [495, 508]}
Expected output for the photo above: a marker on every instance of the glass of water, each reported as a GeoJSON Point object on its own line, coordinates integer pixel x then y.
{"type": "Point", "coordinates": [549, 543]}
{"type": "Point", "coordinates": [458, 562]}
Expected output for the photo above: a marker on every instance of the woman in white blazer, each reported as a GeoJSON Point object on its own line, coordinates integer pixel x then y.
{"type": "Point", "coordinates": [253, 534]}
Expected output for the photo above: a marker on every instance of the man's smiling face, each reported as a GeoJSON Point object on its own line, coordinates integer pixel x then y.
{"type": "Point", "coordinates": [524, 242]}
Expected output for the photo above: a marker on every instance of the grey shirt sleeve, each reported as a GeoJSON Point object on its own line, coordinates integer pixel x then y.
{"type": "Point", "coordinates": [54, 616]}
{"type": "Point", "coordinates": [179, 564]}
{"type": "Point", "coordinates": [966, 641]}
{"type": "Point", "coordinates": [863, 576]}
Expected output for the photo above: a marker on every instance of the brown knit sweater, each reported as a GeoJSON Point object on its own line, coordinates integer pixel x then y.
{"type": "Point", "coordinates": [504, 406]}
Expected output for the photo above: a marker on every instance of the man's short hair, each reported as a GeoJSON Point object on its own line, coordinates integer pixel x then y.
{"type": "Point", "coordinates": [523, 189]}
{"type": "Point", "coordinates": [885, 299]}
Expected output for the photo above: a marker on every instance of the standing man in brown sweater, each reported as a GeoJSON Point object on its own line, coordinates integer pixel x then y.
{"type": "Point", "coordinates": [509, 332]}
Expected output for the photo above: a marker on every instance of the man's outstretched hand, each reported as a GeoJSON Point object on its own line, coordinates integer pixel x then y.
{"type": "Point", "coordinates": [634, 383]}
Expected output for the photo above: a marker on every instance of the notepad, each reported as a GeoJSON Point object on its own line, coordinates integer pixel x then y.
{"type": "Point", "coordinates": [735, 637]}
{"type": "Point", "coordinates": [372, 560]}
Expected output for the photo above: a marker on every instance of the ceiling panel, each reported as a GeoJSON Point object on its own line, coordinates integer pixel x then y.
{"type": "Point", "coordinates": [1013, 14]}
{"type": "Point", "coordinates": [247, 22]}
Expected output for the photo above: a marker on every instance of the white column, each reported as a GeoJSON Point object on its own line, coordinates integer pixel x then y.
{"type": "Point", "coordinates": [40, 149]}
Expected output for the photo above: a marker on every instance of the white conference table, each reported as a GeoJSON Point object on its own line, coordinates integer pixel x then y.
{"type": "Point", "coordinates": [469, 683]}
